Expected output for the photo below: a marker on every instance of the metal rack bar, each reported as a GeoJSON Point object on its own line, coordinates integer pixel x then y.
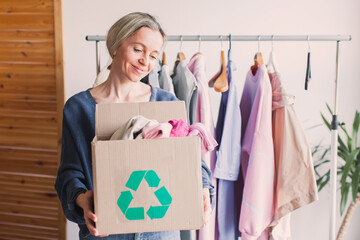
{"type": "Point", "coordinates": [244, 37]}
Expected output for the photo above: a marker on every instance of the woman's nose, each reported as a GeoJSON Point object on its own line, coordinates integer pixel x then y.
{"type": "Point", "coordinates": [144, 60]}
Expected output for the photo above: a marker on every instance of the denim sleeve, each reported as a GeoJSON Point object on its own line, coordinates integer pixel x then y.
{"type": "Point", "coordinates": [70, 178]}
{"type": "Point", "coordinates": [206, 180]}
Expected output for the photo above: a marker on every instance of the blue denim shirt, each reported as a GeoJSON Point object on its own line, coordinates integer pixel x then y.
{"type": "Point", "coordinates": [75, 170]}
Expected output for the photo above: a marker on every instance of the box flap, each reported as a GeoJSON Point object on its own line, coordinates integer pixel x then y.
{"type": "Point", "coordinates": [110, 117]}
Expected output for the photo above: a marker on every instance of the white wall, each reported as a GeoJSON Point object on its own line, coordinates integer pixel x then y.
{"type": "Point", "coordinates": [210, 17]}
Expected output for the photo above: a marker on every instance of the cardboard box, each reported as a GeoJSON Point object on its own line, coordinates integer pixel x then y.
{"type": "Point", "coordinates": [145, 185]}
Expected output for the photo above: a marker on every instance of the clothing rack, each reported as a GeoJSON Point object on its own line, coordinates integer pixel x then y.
{"type": "Point", "coordinates": [334, 123]}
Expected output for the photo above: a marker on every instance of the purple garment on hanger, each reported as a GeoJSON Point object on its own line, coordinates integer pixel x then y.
{"type": "Point", "coordinates": [227, 168]}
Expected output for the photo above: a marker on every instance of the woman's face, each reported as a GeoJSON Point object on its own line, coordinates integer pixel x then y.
{"type": "Point", "coordinates": [137, 55]}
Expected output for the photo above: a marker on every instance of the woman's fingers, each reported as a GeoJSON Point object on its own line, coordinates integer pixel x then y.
{"type": "Point", "coordinates": [90, 224]}
{"type": "Point", "coordinates": [207, 206]}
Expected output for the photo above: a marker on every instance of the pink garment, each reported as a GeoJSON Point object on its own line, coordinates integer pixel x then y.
{"type": "Point", "coordinates": [208, 143]}
{"type": "Point", "coordinates": [295, 178]}
{"type": "Point", "coordinates": [160, 130]}
{"type": "Point", "coordinates": [203, 115]}
{"type": "Point", "coordinates": [179, 128]}
{"type": "Point", "coordinates": [257, 157]}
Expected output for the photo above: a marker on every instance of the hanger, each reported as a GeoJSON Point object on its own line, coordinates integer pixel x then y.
{"type": "Point", "coordinates": [199, 47]}
{"type": "Point", "coordinates": [258, 60]}
{"type": "Point", "coordinates": [163, 58]}
{"type": "Point", "coordinates": [308, 68]}
{"type": "Point", "coordinates": [271, 65]}
{"type": "Point", "coordinates": [220, 81]}
{"type": "Point", "coordinates": [180, 55]}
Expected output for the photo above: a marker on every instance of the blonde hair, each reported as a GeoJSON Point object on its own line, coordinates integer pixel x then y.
{"type": "Point", "coordinates": [127, 26]}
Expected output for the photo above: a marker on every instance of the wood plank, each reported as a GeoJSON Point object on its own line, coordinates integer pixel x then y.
{"type": "Point", "coordinates": [9, 21]}
{"type": "Point", "coordinates": [27, 87]}
{"type": "Point", "coordinates": [16, 200]}
{"type": "Point", "coordinates": [28, 117]}
{"type": "Point", "coordinates": [20, 76]}
{"type": "Point", "coordinates": [29, 231]}
{"type": "Point", "coordinates": [28, 133]}
{"type": "Point", "coordinates": [19, 236]}
{"type": "Point", "coordinates": [11, 224]}
{"type": "Point", "coordinates": [22, 179]}
{"type": "Point", "coordinates": [29, 219]}
{"type": "Point", "coordinates": [28, 210]}
{"type": "Point", "coordinates": [8, 34]}
{"type": "Point", "coordinates": [26, 55]}
{"type": "Point", "coordinates": [28, 128]}
{"type": "Point", "coordinates": [33, 155]}
{"type": "Point", "coordinates": [14, 188]}
{"type": "Point", "coordinates": [33, 121]}
{"type": "Point", "coordinates": [26, 6]}
{"type": "Point", "coordinates": [27, 65]}
{"type": "Point", "coordinates": [36, 106]}
{"type": "Point", "coordinates": [28, 168]}
{"type": "Point", "coordinates": [21, 140]}
{"type": "Point", "coordinates": [21, 27]}
{"type": "Point", "coordinates": [28, 97]}
{"type": "Point", "coordinates": [27, 44]}
{"type": "Point", "coordinates": [46, 158]}
{"type": "Point", "coordinates": [48, 199]}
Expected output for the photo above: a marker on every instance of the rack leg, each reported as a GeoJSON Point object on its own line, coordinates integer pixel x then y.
{"type": "Point", "coordinates": [334, 145]}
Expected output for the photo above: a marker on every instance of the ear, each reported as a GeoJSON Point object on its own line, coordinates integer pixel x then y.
{"type": "Point", "coordinates": [114, 54]}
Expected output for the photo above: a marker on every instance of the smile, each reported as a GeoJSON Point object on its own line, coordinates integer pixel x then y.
{"type": "Point", "coordinates": [139, 70]}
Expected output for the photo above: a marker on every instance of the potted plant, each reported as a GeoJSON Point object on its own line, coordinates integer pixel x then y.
{"type": "Point", "coordinates": [348, 169]}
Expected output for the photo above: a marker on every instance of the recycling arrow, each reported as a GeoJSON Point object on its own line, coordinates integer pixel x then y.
{"type": "Point", "coordinates": [133, 183]}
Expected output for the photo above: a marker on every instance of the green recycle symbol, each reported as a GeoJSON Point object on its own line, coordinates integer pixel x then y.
{"type": "Point", "coordinates": [137, 213]}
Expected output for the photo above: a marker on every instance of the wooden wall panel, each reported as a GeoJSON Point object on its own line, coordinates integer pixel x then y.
{"type": "Point", "coordinates": [31, 101]}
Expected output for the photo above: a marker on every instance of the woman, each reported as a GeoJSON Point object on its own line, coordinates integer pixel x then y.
{"type": "Point", "coordinates": [134, 42]}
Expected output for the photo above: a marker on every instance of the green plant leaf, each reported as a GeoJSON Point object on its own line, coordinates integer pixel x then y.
{"type": "Point", "coordinates": [323, 180]}
{"type": "Point", "coordinates": [321, 163]}
{"type": "Point", "coordinates": [344, 197]}
{"type": "Point", "coordinates": [355, 129]}
{"type": "Point", "coordinates": [326, 121]}
{"type": "Point", "coordinates": [342, 147]}
{"type": "Point", "coordinates": [325, 152]}
{"type": "Point", "coordinates": [355, 183]}
{"type": "Point", "coordinates": [315, 150]}
{"type": "Point", "coordinates": [345, 131]}
{"type": "Point", "coordinates": [350, 159]}
{"type": "Point", "coordinates": [328, 107]}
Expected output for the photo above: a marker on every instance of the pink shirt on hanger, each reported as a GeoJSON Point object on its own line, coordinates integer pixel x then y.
{"type": "Point", "coordinates": [257, 157]}
{"type": "Point", "coordinates": [203, 115]}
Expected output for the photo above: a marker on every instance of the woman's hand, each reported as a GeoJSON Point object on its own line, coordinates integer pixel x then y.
{"type": "Point", "coordinates": [207, 205]}
{"type": "Point", "coordinates": [86, 202]}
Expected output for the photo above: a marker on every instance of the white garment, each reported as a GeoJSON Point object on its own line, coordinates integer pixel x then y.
{"type": "Point", "coordinates": [133, 128]}
{"type": "Point", "coordinates": [154, 75]}
{"type": "Point", "coordinates": [103, 74]}
{"type": "Point", "coordinates": [165, 80]}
